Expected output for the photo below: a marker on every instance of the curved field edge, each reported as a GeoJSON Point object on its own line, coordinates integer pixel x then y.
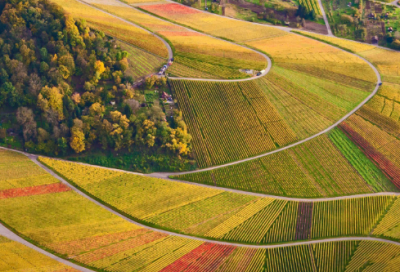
{"type": "Point", "coordinates": [224, 245]}
{"type": "Point", "coordinates": [378, 81]}
{"type": "Point", "coordinates": [327, 166]}
{"type": "Point", "coordinates": [251, 210]}
{"type": "Point", "coordinates": [21, 256]}
{"type": "Point", "coordinates": [179, 48]}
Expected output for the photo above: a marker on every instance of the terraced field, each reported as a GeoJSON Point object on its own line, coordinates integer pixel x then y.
{"type": "Point", "coordinates": [375, 127]}
{"type": "Point", "coordinates": [141, 63]}
{"type": "Point", "coordinates": [17, 257]}
{"type": "Point", "coordinates": [329, 165]}
{"type": "Point", "coordinates": [110, 220]}
{"type": "Point", "coordinates": [194, 50]}
{"type": "Point", "coordinates": [225, 216]}
{"type": "Point", "coordinates": [307, 95]}
{"type": "Point", "coordinates": [114, 27]}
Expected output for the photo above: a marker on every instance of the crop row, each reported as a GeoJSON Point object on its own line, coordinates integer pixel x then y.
{"type": "Point", "coordinates": [224, 215]}
{"type": "Point", "coordinates": [384, 157]}
{"type": "Point", "coordinates": [213, 110]}
{"type": "Point", "coordinates": [312, 169]}
{"type": "Point", "coordinates": [311, 5]}
{"type": "Point", "coordinates": [17, 257]}
{"type": "Point", "coordinates": [375, 128]}
{"type": "Point", "coordinates": [74, 226]}
{"type": "Point", "coordinates": [141, 62]}
{"type": "Point", "coordinates": [195, 50]}
{"type": "Point", "coordinates": [115, 27]}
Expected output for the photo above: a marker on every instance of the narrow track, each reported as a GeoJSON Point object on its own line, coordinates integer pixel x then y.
{"type": "Point", "coordinates": [34, 157]}
{"type": "Point", "coordinates": [367, 238]}
{"type": "Point", "coordinates": [166, 175]}
{"type": "Point", "coordinates": [12, 236]}
{"type": "Point", "coordinates": [170, 52]}
{"type": "Point", "coordinates": [7, 233]}
{"type": "Point", "coordinates": [379, 81]}
{"type": "Point", "coordinates": [328, 27]}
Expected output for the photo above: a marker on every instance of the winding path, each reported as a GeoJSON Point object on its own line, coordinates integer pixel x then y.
{"type": "Point", "coordinates": [165, 175]}
{"type": "Point", "coordinates": [379, 81]}
{"type": "Point", "coordinates": [7, 233]}
{"type": "Point", "coordinates": [170, 52]}
{"type": "Point", "coordinates": [12, 236]}
{"type": "Point", "coordinates": [34, 159]}
{"type": "Point", "coordinates": [328, 27]}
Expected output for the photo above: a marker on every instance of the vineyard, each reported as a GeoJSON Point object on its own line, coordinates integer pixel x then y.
{"type": "Point", "coordinates": [213, 110]}
{"type": "Point", "coordinates": [290, 215]}
{"type": "Point", "coordinates": [17, 257]}
{"type": "Point", "coordinates": [328, 165]}
{"type": "Point", "coordinates": [114, 27]}
{"type": "Point", "coordinates": [311, 5]}
{"type": "Point", "coordinates": [288, 50]}
{"type": "Point", "coordinates": [199, 52]}
{"type": "Point", "coordinates": [215, 214]}
{"type": "Point", "coordinates": [311, 86]}
{"type": "Point", "coordinates": [141, 63]}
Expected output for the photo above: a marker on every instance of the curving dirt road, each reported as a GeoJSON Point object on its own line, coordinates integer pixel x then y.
{"type": "Point", "coordinates": [367, 238]}
{"type": "Point", "coordinates": [12, 236]}
{"type": "Point", "coordinates": [170, 52]}
{"type": "Point", "coordinates": [166, 175]}
{"type": "Point", "coordinates": [328, 27]}
{"type": "Point", "coordinates": [379, 81]}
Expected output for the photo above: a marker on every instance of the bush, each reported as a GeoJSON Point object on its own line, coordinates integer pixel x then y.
{"type": "Point", "coordinates": [396, 44]}
{"type": "Point", "coordinates": [3, 134]}
{"type": "Point", "coordinates": [346, 19]}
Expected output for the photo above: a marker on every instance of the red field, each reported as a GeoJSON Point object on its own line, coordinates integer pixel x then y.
{"type": "Point", "coordinates": [171, 9]}
{"type": "Point", "coordinates": [384, 164]}
{"type": "Point", "coordinates": [35, 190]}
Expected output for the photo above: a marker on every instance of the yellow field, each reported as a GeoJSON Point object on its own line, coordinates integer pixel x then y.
{"type": "Point", "coordinates": [194, 50]}
{"type": "Point", "coordinates": [17, 257]}
{"type": "Point", "coordinates": [114, 27]}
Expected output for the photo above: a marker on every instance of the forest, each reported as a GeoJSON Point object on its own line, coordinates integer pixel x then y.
{"type": "Point", "coordinates": [65, 91]}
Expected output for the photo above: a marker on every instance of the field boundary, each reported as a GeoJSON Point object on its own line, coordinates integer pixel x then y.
{"type": "Point", "coordinates": [276, 245]}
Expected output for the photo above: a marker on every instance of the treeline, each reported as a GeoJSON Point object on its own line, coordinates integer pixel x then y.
{"type": "Point", "coordinates": [67, 85]}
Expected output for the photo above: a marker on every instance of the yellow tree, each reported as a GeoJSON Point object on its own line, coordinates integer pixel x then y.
{"type": "Point", "coordinates": [51, 98]}
{"type": "Point", "coordinates": [99, 68]}
{"type": "Point", "coordinates": [77, 141]}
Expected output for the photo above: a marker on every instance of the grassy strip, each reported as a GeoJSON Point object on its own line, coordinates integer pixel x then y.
{"type": "Point", "coordinates": [368, 170]}
{"type": "Point", "coordinates": [324, 41]}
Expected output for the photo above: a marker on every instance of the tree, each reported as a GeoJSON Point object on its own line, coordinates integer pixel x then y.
{"type": "Point", "coordinates": [3, 133]}
{"type": "Point", "coordinates": [26, 119]}
{"type": "Point", "coordinates": [77, 140]}
{"type": "Point", "coordinates": [123, 64]}
{"type": "Point", "coordinates": [150, 81]}
{"type": "Point", "coordinates": [133, 104]}
{"type": "Point", "coordinates": [97, 109]}
{"type": "Point", "coordinates": [51, 98]}
{"type": "Point", "coordinates": [99, 68]}
{"type": "Point", "coordinates": [35, 84]}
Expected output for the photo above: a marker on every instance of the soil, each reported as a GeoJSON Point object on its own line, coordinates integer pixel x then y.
{"type": "Point", "coordinates": [315, 27]}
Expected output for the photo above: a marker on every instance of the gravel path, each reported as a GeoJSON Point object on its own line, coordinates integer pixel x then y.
{"type": "Point", "coordinates": [166, 175]}
{"type": "Point", "coordinates": [12, 236]}
{"type": "Point", "coordinates": [328, 27]}
{"type": "Point", "coordinates": [378, 83]}
{"type": "Point", "coordinates": [34, 159]}
{"type": "Point", "coordinates": [170, 53]}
